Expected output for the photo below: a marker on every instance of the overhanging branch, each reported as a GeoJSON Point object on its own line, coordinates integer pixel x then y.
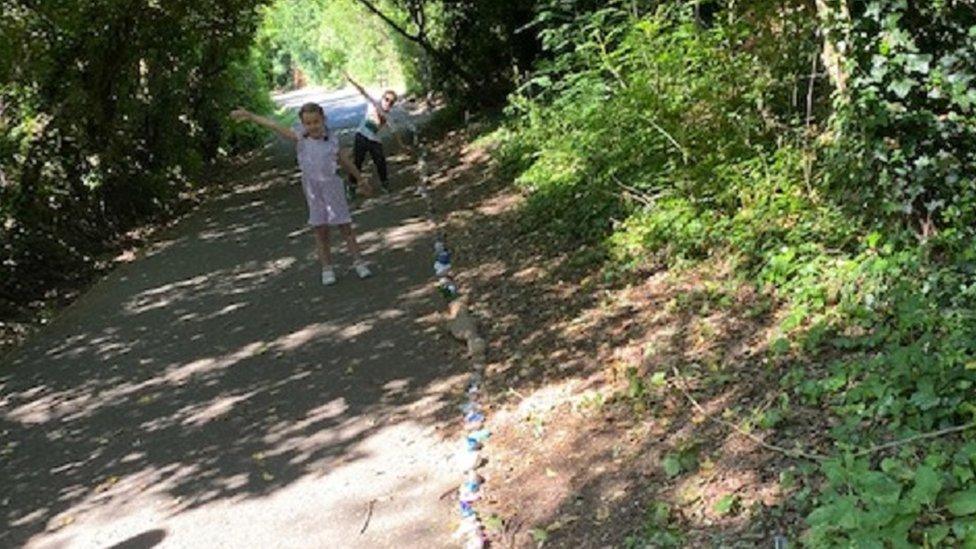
{"type": "Point", "coordinates": [420, 39]}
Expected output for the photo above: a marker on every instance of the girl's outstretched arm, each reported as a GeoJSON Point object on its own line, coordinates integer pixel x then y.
{"type": "Point", "coordinates": [243, 114]}
{"type": "Point", "coordinates": [350, 168]}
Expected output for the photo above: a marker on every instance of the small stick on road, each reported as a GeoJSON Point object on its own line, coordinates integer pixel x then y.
{"type": "Point", "coordinates": [369, 515]}
{"type": "Point", "coordinates": [447, 493]}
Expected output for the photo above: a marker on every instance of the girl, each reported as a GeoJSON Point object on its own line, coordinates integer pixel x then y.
{"type": "Point", "coordinates": [379, 115]}
{"type": "Point", "coordinates": [318, 154]}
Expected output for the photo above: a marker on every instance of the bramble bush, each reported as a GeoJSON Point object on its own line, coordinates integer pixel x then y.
{"type": "Point", "coordinates": [666, 142]}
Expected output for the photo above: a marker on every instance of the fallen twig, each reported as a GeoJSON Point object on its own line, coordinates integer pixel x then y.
{"type": "Point", "coordinates": [369, 515]}
{"type": "Point", "coordinates": [516, 393]}
{"type": "Point", "coordinates": [682, 386]}
{"type": "Point", "coordinates": [669, 137]}
{"type": "Point", "coordinates": [509, 530]}
{"type": "Point", "coordinates": [923, 436]}
{"type": "Point", "coordinates": [635, 193]}
{"type": "Point", "coordinates": [791, 453]}
{"type": "Point", "coordinates": [447, 493]}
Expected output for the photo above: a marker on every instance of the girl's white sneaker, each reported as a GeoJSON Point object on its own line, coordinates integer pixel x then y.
{"type": "Point", "coordinates": [362, 270]}
{"type": "Point", "coordinates": [328, 277]}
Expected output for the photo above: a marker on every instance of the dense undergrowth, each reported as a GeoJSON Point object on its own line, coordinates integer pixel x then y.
{"type": "Point", "coordinates": [648, 139]}
{"type": "Point", "coordinates": [110, 113]}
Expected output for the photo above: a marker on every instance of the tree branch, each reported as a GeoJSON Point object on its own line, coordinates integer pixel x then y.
{"type": "Point", "coordinates": [469, 80]}
{"type": "Point", "coordinates": [389, 21]}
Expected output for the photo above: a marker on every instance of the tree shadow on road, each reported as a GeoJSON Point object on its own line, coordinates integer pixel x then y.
{"type": "Point", "coordinates": [219, 369]}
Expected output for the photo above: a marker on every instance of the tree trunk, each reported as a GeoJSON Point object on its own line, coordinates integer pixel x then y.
{"type": "Point", "coordinates": [835, 21]}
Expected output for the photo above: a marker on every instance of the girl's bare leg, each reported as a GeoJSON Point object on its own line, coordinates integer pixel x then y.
{"type": "Point", "coordinates": [351, 244]}
{"type": "Point", "coordinates": [323, 245]}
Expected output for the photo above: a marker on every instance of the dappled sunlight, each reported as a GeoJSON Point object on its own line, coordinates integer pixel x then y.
{"type": "Point", "coordinates": [403, 237]}
{"type": "Point", "coordinates": [225, 311]}
{"type": "Point", "coordinates": [157, 298]}
{"type": "Point", "coordinates": [158, 246]}
{"type": "Point", "coordinates": [686, 266]}
{"type": "Point", "coordinates": [356, 330]}
{"type": "Point", "coordinates": [237, 281]}
{"type": "Point", "coordinates": [336, 483]}
{"type": "Point", "coordinates": [199, 414]}
{"type": "Point", "coordinates": [327, 412]}
{"type": "Point", "coordinates": [391, 314]}
{"type": "Point", "coordinates": [541, 402]}
{"type": "Point", "coordinates": [230, 233]}
{"type": "Point", "coordinates": [252, 205]}
{"type": "Point", "coordinates": [217, 376]}
{"type": "Point", "coordinates": [258, 183]}
{"type": "Point", "coordinates": [69, 405]}
{"type": "Point", "coordinates": [304, 336]}
{"type": "Point", "coordinates": [179, 374]}
{"type": "Point", "coordinates": [396, 387]}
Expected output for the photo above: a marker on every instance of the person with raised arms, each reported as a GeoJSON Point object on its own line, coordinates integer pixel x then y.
{"type": "Point", "coordinates": [318, 156]}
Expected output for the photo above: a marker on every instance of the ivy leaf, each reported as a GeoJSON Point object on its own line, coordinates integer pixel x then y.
{"type": "Point", "coordinates": [902, 87]}
{"type": "Point", "coordinates": [925, 397]}
{"type": "Point", "coordinates": [918, 63]}
{"type": "Point", "coordinates": [835, 473]}
{"type": "Point", "coordinates": [896, 468]}
{"type": "Point", "coordinates": [927, 486]}
{"type": "Point", "coordinates": [935, 534]}
{"type": "Point", "coordinates": [963, 474]}
{"type": "Point", "coordinates": [962, 503]}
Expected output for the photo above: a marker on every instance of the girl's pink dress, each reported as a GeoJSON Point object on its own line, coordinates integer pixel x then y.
{"type": "Point", "coordinates": [324, 190]}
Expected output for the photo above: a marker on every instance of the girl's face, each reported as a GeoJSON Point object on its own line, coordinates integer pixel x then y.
{"type": "Point", "coordinates": [314, 124]}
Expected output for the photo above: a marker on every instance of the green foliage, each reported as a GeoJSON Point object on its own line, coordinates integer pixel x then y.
{"type": "Point", "coordinates": [666, 143]}
{"type": "Point", "coordinates": [655, 111]}
{"type": "Point", "coordinates": [908, 132]}
{"type": "Point", "coordinates": [683, 459]}
{"type": "Point", "coordinates": [108, 112]}
{"type": "Point", "coordinates": [246, 86]}
{"type": "Point", "coordinates": [904, 327]}
{"type": "Point", "coordinates": [727, 504]}
{"type": "Point", "coordinates": [489, 39]}
{"type": "Point", "coordinates": [657, 529]}
{"type": "Point", "coordinates": [320, 38]}
{"type": "Point", "coordinates": [907, 503]}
